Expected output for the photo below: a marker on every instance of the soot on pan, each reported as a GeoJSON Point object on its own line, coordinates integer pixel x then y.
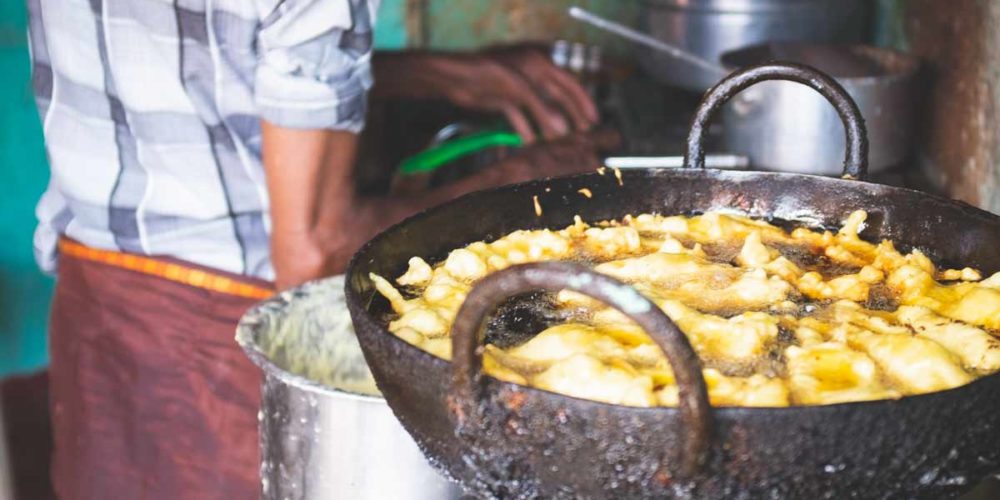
{"type": "Point", "coordinates": [521, 317]}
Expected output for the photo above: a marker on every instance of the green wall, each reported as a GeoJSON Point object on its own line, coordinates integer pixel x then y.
{"type": "Point", "coordinates": [470, 24]}
{"type": "Point", "coordinates": [467, 24]}
{"type": "Point", "coordinates": [390, 26]}
{"type": "Point", "coordinates": [24, 291]}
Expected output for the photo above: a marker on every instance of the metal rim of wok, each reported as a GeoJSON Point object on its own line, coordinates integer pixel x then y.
{"type": "Point", "coordinates": [907, 444]}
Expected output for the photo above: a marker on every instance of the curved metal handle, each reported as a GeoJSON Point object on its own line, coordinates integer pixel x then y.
{"type": "Point", "coordinates": [856, 157]}
{"type": "Point", "coordinates": [467, 332]}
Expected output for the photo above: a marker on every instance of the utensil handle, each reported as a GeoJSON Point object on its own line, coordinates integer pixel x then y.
{"type": "Point", "coordinates": [856, 156]}
{"type": "Point", "coordinates": [641, 38]}
{"type": "Point", "coordinates": [467, 332]}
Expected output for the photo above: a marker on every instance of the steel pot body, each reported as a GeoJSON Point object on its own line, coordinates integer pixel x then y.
{"type": "Point", "coordinates": [709, 28]}
{"type": "Point", "coordinates": [787, 127]}
{"type": "Point", "coordinates": [325, 431]}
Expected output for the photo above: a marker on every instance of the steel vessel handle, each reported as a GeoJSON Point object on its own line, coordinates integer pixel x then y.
{"type": "Point", "coordinates": [467, 334]}
{"type": "Point", "coordinates": [856, 156]}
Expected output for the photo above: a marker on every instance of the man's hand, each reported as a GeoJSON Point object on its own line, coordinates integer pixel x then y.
{"type": "Point", "coordinates": [521, 83]}
{"type": "Point", "coordinates": [554, 84]}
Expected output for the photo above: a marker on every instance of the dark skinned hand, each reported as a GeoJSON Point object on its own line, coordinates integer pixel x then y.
{"type": "Point", "coordinates": [518, 82]}
{"type": "Point", "coordinates": [556, 86]}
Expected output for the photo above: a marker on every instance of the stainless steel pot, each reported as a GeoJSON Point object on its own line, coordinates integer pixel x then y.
{"type": "Point", "coordinates": [788, 127]}
{"type": "Point", "coordinates": [784, 126]}
{"type": "Point", "coordinates": [708, 28]}
{"type": "Point", "coordinates": [325, 432]}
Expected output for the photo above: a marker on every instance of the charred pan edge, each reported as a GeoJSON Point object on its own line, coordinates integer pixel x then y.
{"type": "Point", "coordinates": [934, 444]}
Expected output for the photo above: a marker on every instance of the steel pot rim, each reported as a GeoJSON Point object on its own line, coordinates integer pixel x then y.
{"type": "Point", "coordinates": [252, 320]}
{"type": "Point", "coordinates": [908, 65]}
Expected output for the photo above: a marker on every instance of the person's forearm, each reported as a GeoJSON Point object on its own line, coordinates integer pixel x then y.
{"type": "Point", "coordinates": [572, 155]}
{"type": "Point", "coordinates": [372, 214]}
{"type": "Point", "coordinates": [383, 211]}
{"type": "Point", "coordinates": [520, 83]}
{"type": "Point", "coordinates": [310, 188]}
{"type": "Point", "coordinates": [317, 222]}
{"type": "Point", "coordinates": [412, 74]}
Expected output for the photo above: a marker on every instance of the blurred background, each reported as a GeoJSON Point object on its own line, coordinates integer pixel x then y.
{"type": "Point", "coordinates": [950, 143]}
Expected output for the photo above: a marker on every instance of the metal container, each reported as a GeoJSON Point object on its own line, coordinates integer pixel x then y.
{"type": "Point", "coordinates": [708, 28]}
{"type": "Point", "coordinates": [325, 432]}
{"type": "Point", "coordinates": [788, 127]}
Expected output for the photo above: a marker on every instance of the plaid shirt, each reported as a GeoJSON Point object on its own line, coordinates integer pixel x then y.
{"type": "Point", "coordinates": [151, 112]}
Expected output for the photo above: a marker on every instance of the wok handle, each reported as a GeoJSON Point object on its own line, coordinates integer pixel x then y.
{"type": "Point", "coordinates": [856, 156]}
{"type": "Point", "coordinates": [467, 333]}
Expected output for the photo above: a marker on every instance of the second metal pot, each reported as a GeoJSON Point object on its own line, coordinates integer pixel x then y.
{"type": "Point", "coordinates": [787, 127]}
{"type": "Point", "coordinates": [325, 430]}
{"type": "Point", "coordinates": [709, 28]}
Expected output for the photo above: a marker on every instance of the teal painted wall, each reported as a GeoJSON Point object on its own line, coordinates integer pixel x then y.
{"type": "Point", "coordinates": [471, 24]}
{"type": "Point", "coordinates": [468, 24]}
{"type": "Point", "coordinates": [390, 26]}
{"type": "Point", "coordinates": [24, 291]}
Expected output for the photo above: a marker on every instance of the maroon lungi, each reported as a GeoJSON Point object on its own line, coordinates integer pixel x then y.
{"type": "Point", "coordinates": [151, 396]}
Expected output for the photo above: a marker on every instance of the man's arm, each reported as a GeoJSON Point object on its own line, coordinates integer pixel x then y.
{"type": "Point", "coordinates": [317, 221]}
{"type": "Point", "coordinates": [311, 80]}
{"type": "Point", "coordinates": [519, 82]}
{"type": "Point", "coordinates": [310, 86]}
{"type": "Point", "coordinates": [309, 184]}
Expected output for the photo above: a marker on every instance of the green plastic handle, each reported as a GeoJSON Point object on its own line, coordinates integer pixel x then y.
{"type": "Point", "coordinates": [434, 158]}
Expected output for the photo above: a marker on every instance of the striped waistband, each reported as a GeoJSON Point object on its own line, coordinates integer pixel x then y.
{"type": "Point", "coordinates": [172, 271]}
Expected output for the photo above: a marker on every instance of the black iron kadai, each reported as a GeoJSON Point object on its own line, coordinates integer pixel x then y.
{"type": "Point", "coordinates": [502, 440]}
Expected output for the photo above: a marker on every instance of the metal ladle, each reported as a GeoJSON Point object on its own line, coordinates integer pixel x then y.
{"type": "Point", "coordinates": [645, 40]}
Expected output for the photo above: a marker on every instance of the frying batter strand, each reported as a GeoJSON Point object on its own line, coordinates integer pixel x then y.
{"type": "Point", "coordinates": [778, 318]}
